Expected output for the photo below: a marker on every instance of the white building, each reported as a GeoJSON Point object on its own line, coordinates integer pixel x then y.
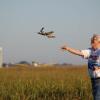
{"type": "Point", "coordinates": [34, 64]}
{"type": "Point", "coordinates": [1, 57]}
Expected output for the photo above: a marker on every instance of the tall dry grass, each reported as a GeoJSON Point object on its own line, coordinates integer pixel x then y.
{"type": "Point", "coordinates": [49, 83]}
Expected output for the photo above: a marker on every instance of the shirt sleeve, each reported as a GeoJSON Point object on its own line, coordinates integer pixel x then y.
{"type": "Point", "coordinates": [86, 53]}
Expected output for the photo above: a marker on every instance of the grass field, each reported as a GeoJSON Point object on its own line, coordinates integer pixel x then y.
{"type": "Point", "coordinates": [45, 83]}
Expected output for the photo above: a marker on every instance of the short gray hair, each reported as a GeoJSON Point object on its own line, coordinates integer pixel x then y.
{"type": "Point", "coordinates": [95, 37]}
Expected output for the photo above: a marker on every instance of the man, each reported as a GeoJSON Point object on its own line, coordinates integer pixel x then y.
{"type": "Point", "coordinates": [93, 56]}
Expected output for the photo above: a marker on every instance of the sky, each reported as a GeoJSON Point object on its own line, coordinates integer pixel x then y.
{"type": "Point", "coordinates": [73, 21]}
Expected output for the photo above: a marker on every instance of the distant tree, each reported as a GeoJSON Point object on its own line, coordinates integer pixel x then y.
{"type": "Point", "coordinates": [24, 62]}
{"type": "Point", "coordinates": [4, 65]}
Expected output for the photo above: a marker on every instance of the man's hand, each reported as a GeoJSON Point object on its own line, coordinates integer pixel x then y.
{"type": "Point", "coordinates": [96, 68]}
{"type": "Point", "coordinates": [64, 48]}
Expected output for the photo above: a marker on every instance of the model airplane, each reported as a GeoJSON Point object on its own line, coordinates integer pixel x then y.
{"type": "Point", "coordinates": [47, 34]}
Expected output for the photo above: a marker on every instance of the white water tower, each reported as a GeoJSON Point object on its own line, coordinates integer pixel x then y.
{"type": "Point", "coordinates": [1, 57]}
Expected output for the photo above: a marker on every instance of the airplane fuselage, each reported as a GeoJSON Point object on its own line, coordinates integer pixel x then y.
{"type": "Point", "coordinates": [45, 33]}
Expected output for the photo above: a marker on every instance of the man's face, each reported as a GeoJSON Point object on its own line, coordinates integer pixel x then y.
{"type": "Point", "coordinates": [95, 43]}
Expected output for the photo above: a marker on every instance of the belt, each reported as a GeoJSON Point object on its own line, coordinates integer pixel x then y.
{"type": "Point", "coordinates": [95, 78]}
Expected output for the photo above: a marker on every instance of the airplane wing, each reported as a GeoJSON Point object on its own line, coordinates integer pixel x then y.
{"type": "Point", "coordinates": [49, 33]}
{"type": "Point", "coordinates": [51, 36]}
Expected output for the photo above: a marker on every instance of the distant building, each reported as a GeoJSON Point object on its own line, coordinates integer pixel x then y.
{"type": "Point", "coordinates": [1, 57]}
{"type": "Point", "coordinates": [35, 64]}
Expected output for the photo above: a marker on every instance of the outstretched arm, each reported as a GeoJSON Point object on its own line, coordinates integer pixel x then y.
{"type": "Point", "coordinates": [72, 50]}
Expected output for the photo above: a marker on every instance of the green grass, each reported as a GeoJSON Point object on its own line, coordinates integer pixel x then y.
{"type": "Point", "coordinates": [45, 83]}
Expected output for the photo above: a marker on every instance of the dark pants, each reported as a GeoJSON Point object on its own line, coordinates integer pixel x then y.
{"type": "Point", "coordinates": [96, 88]}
